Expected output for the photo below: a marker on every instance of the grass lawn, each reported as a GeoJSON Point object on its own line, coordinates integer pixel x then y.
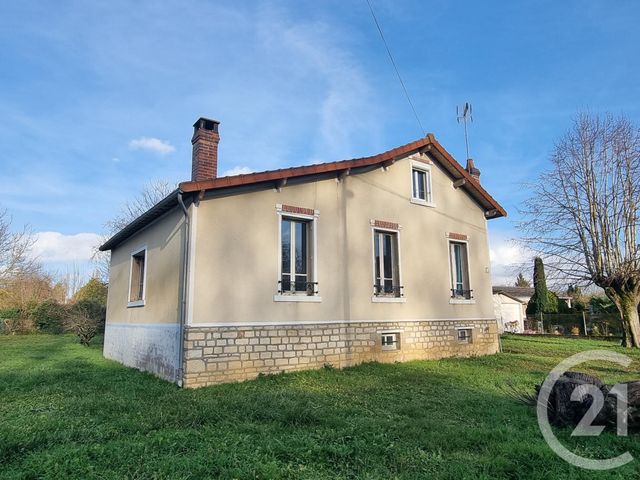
{"type": "Point", "coordinates": [65, 412]}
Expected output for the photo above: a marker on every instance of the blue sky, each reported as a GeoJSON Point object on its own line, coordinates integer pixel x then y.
{"type": "Point", "coordinates": [98, 97]}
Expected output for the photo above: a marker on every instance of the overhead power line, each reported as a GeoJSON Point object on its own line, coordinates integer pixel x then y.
{"type": "Point", "coordinates": [395, 67]}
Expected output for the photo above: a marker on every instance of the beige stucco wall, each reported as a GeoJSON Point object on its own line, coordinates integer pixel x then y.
{"type": "Point", "coordinates": [148, 337]}
{"type": "Point", "coordinates": [163, 240]}
{"type": "Point", "coordinates": [236, 251]}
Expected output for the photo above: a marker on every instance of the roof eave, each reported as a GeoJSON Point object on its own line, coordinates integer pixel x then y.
{"type": "Point", "coordinates": [428, 144]}
{"type": "Point", "coordinates": [163, 206]}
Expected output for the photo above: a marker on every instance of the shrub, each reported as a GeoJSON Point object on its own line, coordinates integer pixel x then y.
{"type": "Point", "coordinates": [578, 304]}
{"type": "Point", "coordinates": [11, 326]}
{"type": "Point", "coordinates": [94, 309]}
{"type": "Point", "coordinates": [563, 306]}
{"type": "Point", "coordinates": [48, 316]}
{"type": "Point", "coordinates": [94, 290]}
{"type": "Point", "coordinates": [7, 313]}
{"type": "Point", "coordinates": [602, 304]}
{"type": "Point", "coordinates": [86, 319]}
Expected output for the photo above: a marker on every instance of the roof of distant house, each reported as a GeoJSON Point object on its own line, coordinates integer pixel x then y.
{"type": "Point", "coordinates": [514, 291]}
{"type": "Point", "coordinates": [281, 177]}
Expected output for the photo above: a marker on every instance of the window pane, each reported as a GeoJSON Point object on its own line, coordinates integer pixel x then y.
{"type": "Point", "coordinates": [141, 282]}
{"type": "Point", "coordinates": [420, 184]}
{"type": "Point", "coordinates": [301, 283]}
{"type": "Point", "coordinates": [286, 283]}
{"type": "Point", "coordinates": [387, 254]}
{"type": "Point", "coordinates": [427, 186]}
{"type": "Point", "coordinates": [286, 246]}
{"type": "Point", "coordinates": [301, 247]}
{"type": "Point", "coordinates": [137, 277]}
{"type": "Point", "coordinates": [459, 268]}
{"type": "Point", "coordinates": [458, 264]}
{"type": "Point", "coordinates": [376, 252]}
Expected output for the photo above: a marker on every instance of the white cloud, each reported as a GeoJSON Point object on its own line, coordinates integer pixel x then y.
{"type": "Point", "coordinates": [53, 247]}
{"type": "Point", "coordinates": [337, 90]}
{"type": "Point", "coordinates": [507, 260]}
{"type": "Point", "coordinates": [238, 170]}
{"type": "Point", "coordinates": [151, 144]}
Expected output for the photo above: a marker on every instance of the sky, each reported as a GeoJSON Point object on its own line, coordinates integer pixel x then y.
{"type": "Point", "coordinates": [97, 98]}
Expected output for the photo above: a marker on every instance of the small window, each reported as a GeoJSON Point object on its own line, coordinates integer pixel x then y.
{"type": "Point", "coordinates": [459, 271]}
{"type": "Point", "coordinates": [390, 341]}
{"type": "Point", "coordinates": [421, 183]}
{"type": "Point", "coordinates": [137, 281]}
{"type": "Point", "coordinates": [465, 335]}
{"type": "Point", "coordinates": [296, 276]}
{"type": "Point", "coordinates": [386, 264]}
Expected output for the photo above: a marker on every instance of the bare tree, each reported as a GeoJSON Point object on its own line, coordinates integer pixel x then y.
{"type": "Point", "coordinates": [584, 212]}
{"type": "Point", "coordinates": [71, 281]}
{"type": "Point", "coordinates": [14, 250]}
{"type": "Point", "coordinates": [80, 320]}
{"type": "Point", "coordinates": [152, 192]}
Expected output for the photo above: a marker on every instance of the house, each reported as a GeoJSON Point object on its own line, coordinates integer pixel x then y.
{"type": "Point", "coordinates": [510, 306]}
{"type": "Point", "coordinates": [379, 258]}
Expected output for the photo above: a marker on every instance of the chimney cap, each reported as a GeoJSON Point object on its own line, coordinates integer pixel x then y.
{"type": "Point", "coordinates": [471, 168]}
{"type": "Point", "coordinates": [206, 124]}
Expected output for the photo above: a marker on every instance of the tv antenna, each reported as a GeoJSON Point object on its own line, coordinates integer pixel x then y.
{"type": "Point", "coordinates": [465, 117]}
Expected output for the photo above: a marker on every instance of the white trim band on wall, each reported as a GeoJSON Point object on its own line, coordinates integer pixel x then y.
{"type": "Point", "coordinates": [333, 322]}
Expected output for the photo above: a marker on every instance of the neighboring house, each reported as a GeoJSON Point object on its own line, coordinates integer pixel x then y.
{"type": "Point", "coordinates": [510, 306]}
{"type": "Point", "coordinates": [379, 258]}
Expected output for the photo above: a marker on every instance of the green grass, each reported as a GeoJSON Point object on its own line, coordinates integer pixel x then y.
{"type": "Point", "coordinates": [65, 412]}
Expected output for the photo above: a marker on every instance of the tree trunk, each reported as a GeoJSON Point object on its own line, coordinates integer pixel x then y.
{"type": "Point", "coordinates": [627, 303]}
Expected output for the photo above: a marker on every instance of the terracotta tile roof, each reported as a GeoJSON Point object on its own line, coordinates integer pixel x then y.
{"type": "Point", "coordinates": [428, 143]}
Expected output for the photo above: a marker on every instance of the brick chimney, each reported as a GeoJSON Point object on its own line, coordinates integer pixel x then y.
{"type": "Point", "coordinates": [204, 159]}
{"type": "Point", "coordinates": [473, 171]}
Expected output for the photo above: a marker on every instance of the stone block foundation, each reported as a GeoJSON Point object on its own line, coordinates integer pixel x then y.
{"type": "Point", "coordinates": [221, 354]}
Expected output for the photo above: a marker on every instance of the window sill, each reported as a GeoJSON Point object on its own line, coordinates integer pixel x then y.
{"type": "Point", "coordinates": [388, 299]}
{"type": "Point", "coordinates": [424, 203]}
{"type": "Point", "coordinates": [462, 301]}
{"type": "Point", "coordinates": [137, 303]}
{"type": "Point", "coordinates": [297, 298]}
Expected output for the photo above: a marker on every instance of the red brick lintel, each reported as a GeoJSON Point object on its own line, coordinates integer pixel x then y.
{"type": "Point", "coordinates": [457, 236]}
{"type": "Point", "coordinates": [301, 210]}
{"type": "Point", "coordinates": [384, 224]}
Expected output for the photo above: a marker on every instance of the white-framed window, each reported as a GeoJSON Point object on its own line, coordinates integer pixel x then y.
{"type": "Point", "coordinates": [421, 187]}
{"type": "Point", "coordinates": [386, 264]}
{"type": "Point", "coordinates": [465, 335]}
{"type": "Point", "coordinates": [297, 256]}
{"type": "Point", "coordinates": [137, 277]}
{"type": "Point", "coordinates": [390, 341]}
{"type": "Point", "coordinates": [459, 261]}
